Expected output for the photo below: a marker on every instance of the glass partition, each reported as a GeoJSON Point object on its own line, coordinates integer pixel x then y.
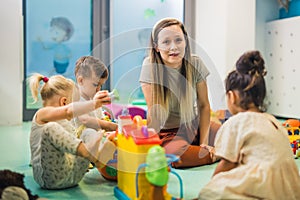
{"type": "Point", "coordinates": [130, 27]}
{"type": "Point", "coordinates": [56, 34]}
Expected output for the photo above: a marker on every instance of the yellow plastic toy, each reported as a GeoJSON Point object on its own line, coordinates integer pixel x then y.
{"type": "Point", "coordinates": [293, 128]}
{"type": "Point", "coordinates": [135, 142]}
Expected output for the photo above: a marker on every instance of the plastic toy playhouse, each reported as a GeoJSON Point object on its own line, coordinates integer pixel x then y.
{"type": "Point", "coordinates": [143, 167]}
{"type": "Point", "coordinates": [293, 129]}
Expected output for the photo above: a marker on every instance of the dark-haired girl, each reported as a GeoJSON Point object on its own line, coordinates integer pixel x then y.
{"type": "Point", "coordinates": [256, 157]}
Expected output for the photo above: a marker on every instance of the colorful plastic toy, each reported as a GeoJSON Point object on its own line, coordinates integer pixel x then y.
{"type": "Point", "coordinates": [114, 95]}
{"type": "Point", "coordinates": [143, 167]}
{"type": "Point", "coordinates": [157, 166]}
{"type": "Point", "coordinates": [134, 111]}
{"type": "Point", "coordinates": [293, 129]}
{"type": "Point", "coordinates": [109, 171]}
{"type": "Point", "coordinates": [291, 123]}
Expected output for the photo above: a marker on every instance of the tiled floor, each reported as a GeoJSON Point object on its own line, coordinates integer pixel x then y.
{"type": "Point", "coordinates": [15, 155]}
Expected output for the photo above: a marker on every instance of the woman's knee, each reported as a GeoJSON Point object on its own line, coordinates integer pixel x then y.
{"type": "Point", "coordinates": [176, 147]}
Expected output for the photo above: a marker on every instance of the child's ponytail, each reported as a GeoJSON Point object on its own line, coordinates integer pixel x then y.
{"type": "Point", "coordinates": [56, 85]}
{"type": "Point", "coordinates": [34, 84]}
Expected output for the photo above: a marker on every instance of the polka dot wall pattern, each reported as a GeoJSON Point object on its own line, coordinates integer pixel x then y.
{"type": "Point", "coordinates": [283, 65]}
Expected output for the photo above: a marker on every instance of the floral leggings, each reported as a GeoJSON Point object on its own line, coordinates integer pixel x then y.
{"type": "Point", "coordinates": [55, 164]}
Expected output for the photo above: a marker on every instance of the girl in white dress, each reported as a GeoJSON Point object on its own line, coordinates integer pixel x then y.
{"type": "Point", "coordinates": [256, 157]}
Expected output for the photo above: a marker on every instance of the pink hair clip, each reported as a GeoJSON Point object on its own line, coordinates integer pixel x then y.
{"type": "Point", "coordinates": [45, 79]}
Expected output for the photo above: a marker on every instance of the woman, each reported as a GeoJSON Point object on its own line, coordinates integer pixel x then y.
{"type": "Point", "coordinates": [174, 85]}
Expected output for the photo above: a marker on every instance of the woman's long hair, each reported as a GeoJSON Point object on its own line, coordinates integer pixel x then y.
{"type": "Point", "coordinates": [161, 91]}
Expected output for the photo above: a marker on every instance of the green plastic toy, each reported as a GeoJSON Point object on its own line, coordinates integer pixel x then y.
{"type": "Point", "coordinates": [157, 166]}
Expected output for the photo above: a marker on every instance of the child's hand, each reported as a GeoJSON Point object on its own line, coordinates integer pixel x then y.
{"type": "Point", "coordinates": [111, 136]}
{"type": "Point", "coordinates": [107, 150]}
{"type": "Point", "coordinates": [101, 98]}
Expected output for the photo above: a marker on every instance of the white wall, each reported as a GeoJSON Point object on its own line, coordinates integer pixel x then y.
{"type": "Point", "coordinates": [228, 28]}
{"type": "Point", "coordinates": [11, 62]}
{"type": "Point", "coordinates": [225, 29]}
{"type": "Point", "coordinates": [240, 29]}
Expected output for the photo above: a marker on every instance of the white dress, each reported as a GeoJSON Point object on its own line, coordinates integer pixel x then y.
{"type": "Point", "coordinates": [266, 167]}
